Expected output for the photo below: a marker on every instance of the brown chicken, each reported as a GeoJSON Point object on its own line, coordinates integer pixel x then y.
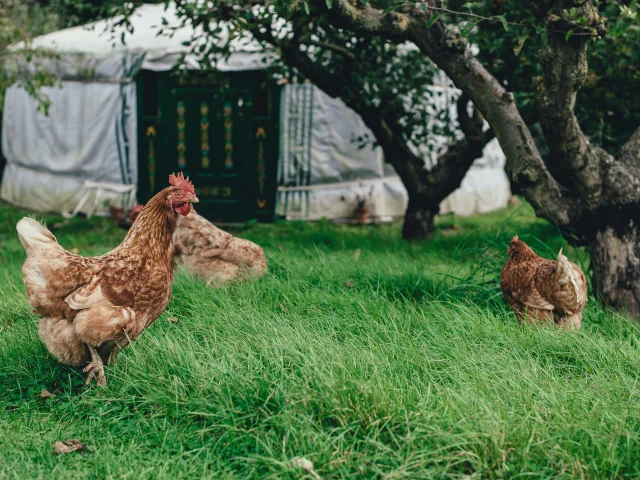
{"type": "Point", "coordinates": [541, 290]}
{"type": "Point", "coordinates": [213, 254]}
{"type": "Point", "coordinates": [91, 308]}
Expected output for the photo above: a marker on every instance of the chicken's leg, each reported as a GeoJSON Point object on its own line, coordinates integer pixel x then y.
{"type": "Point", "coordinates": [95, 368]}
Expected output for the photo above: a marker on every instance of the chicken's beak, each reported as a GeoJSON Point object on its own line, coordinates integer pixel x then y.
{"type": "Point", "coordinates": [194, 199]}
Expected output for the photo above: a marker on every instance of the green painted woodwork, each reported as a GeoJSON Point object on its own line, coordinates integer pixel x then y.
{"type": "Point", "coordinates": [221, 130]}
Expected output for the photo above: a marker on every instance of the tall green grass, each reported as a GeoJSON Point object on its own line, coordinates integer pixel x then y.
{"type": "Point", "coordinates": [371, 357]}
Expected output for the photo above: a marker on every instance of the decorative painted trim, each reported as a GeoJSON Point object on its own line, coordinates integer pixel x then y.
{"type": "Point", "coordinates": [261, 137]}
{"type": "Point", "coordinates": [181, 125]}
{"type": "Point", "coordinates": [296, 118]}
{"type": "Point", "coordinates": [228, 135]}
{"type": "Point", "coordinates": [151, 158]}
{"type": "Point", "coordinates": [204, 135]}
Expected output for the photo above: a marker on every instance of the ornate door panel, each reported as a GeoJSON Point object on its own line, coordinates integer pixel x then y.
{"type": "Point", "coordinates": [221, 130]}
{"type": "Point", "coordinates": [213, 143]}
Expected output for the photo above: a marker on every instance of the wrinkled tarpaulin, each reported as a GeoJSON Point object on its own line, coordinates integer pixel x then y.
{"type": "Point", "coordinates": [89, 134]}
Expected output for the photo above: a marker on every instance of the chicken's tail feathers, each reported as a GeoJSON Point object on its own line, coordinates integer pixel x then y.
{"type": "Point", "coordinates": [32, 233]}
{"type": "Point", "coordinates": [573, 274]}
{"type": "Point", "coordinates": [562, 264]}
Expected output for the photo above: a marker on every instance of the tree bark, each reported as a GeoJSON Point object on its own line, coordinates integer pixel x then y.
{"type": "Point", "coordinates": [615, 257]}
{"type": "Point", "coordinates": [450, 52]}
{"type": "Point", "coordinates": [426, 189]}
{"type": "Point", "coordinates": [591, 196]}
{"type": "Point", "coordinates": [419, 218]}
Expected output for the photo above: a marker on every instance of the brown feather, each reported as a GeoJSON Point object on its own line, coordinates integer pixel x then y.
{"type": "Point", "coordinates": [102, 301]}
{"type": "Point", "coordinates": [214, 254]}
{"type": "Point", "coordinates": [541, 290]}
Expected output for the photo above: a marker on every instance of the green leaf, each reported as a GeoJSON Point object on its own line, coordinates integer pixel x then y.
{"type": "Point", "coordinates": [568, 35]}
{"type": "Point", "coordinates": [518, 47]}
{"type": "Point", "coordinates": [432, 20]}
{"type": "Point", "coordinates": [306, 8]}
{"type": "Point", "coordinates": [627, 12]}
{"type": "Point", "coordinates": [329, 4]}
{"type": "Point", "coordinates": [505, 24]}
{"type": "Point", "coordinates": [392, 7]}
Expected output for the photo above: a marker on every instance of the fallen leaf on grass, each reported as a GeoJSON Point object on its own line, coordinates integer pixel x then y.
{"type": "Point", "coordinates": [172, 319]}
{"type": "Point", "coordinates": [283, 308]}
{"type": "Point", "coordinates": [304, 464]}
{"type": "Point", "coordinates": [60, 224]}
{"type": "Point", "coordinates": [349, 284]}
{"type": "Point", "coordinates": [75, 250]}
{"type": "Point", "coordinates": [68, 446]}
{"type": "Point", "coordinates": [46, 394]}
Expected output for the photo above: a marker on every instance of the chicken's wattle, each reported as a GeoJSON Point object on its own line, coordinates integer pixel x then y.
{"type": "Point", "coordinates": [183, 209]}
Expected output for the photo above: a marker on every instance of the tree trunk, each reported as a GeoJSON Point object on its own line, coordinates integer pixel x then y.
{"type": "Point", "coordinates": [418, 219]}
{"type": "Point", "coordinates": [425, 188]}
{"type": "Point", "coordinates": [615, 258]}
{"type": "Point", "coordinates": [588, 190]}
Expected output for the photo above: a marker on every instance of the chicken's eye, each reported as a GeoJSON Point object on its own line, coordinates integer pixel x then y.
{"type": "Point", "coordinates": [179, 194]}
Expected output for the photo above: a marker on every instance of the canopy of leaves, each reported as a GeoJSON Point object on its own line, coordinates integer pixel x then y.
{"type": "Point", "coordinates": [608, 104]}
{"type": "Point", "coordinates": [366, 72]}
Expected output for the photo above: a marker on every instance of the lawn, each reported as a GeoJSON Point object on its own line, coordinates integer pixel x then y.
{"type": "Point", "coordinates": [368, 356]}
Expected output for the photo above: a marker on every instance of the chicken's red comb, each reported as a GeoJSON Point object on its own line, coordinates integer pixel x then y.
{"type": "Point", "coordinates": [182, 183]}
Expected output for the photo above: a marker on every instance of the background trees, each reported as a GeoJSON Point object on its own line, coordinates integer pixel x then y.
{"type": "Point", "coordinates": [590, 194]}
{"type": "Point", "coordinates": [389, 85]}
{"type": "Point", "coordinates": [530, 80]}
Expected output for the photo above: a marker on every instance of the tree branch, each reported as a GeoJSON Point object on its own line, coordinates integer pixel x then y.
{"type": "Point", "coordinates": [431, 186]}
{"type": "Point", "coordinates": [629, 154]}
{"type": "Point", "coordinates": [451, 54]}
{"type": "Point", "coordinates": [578, 163]}
{"type": "Point", "coordinates": [453, 164]}
{"type": "Point", "coordinates": [333, 47]}
{"type": "Point", "coordinates": [623, 176]}
{"type": "Point", "coordinates": [589, 170]}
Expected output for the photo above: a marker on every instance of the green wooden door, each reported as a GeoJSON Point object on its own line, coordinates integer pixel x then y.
{"type": "Point", "coordinates": [211, 143]}
{"type": "Point", "coordinates": [220, 130]}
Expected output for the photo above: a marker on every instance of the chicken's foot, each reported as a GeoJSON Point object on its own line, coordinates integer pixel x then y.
{"type": "Point", "coordinates": [95, 368]}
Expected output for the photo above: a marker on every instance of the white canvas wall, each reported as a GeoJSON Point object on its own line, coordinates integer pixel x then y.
{"type": "Point", "coordinates": [89, 134]}
{"type": "Point", "coordinates": [322, 168]}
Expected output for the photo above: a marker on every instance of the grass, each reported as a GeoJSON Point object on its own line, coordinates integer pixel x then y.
{"type": "Point", "coordinates": [368, 356]}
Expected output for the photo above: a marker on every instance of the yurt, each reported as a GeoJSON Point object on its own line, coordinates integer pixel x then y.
{"type": "Point", "coordinates": [121, 119]}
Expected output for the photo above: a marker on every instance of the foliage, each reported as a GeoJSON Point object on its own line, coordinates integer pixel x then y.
{"type": "Point", "coordinates": [368, 73]}
{"type": "Point", "coordinates": [414, 368]}
{"type": "Point", "coordinates": [508, 38]}
{"type": "Point", "coordinates": [608, 104]}
{"type": "Point", "coordinates": [20, 21]}
{"type": "Point", "coordinates": [80, 12]}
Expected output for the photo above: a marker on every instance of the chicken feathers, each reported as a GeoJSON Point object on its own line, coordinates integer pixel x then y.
{"type": "Point", "coordinates": [541, 290]}
{"type": "Point", "coordinates": [214, 254]}
{"type": "Point", "coordinates": [90, 308]}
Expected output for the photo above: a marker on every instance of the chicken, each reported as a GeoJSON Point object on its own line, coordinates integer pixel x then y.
{"type": "Point", "coordinates": [213, 254]}
{"type": "Point", "coordinates": [541, 290]}
{"type": "Point", "coordinates": [90, 308]}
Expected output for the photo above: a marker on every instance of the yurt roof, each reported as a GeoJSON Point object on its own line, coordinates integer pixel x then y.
{"type": "Point", "coordinates": [159, 52]}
